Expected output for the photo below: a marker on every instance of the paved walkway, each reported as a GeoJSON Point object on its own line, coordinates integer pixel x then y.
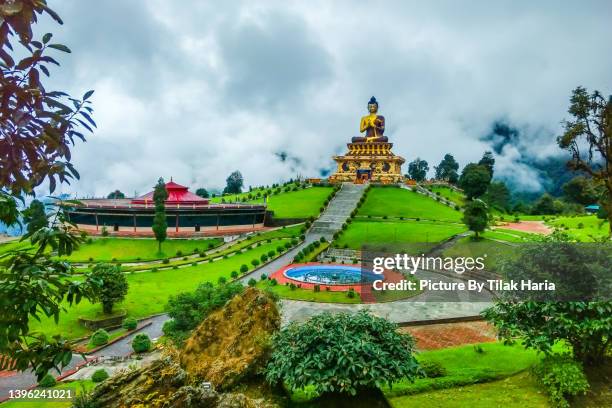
{"type": "Point", "coordinates": [336, 213]}
{"type": "Point", "coordinates": [121, 348]}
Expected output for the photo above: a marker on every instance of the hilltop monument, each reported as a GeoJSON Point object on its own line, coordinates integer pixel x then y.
{"type": "Point", "coordinates": [369, 157]}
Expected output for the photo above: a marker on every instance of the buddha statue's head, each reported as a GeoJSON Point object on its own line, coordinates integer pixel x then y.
{"type": "Point", "coordinates": [373, 105]}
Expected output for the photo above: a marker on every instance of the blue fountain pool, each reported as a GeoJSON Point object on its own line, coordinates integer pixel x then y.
{"type": "Point", "coordinates": [330, 274]}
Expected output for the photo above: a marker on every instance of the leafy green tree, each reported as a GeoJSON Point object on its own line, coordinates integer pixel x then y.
{"type": "Point", "coordinates": [545, 205]}
{"type": "Point", "coordinates": [160, 224]}
{"type": "Point", "coordinates": [417, 169]}
{"type": "Point", "coordinates": [187, 310]}
{"type": "Point", "coordinates": [582, 190]}
{"type": "Point", "coordinates": [488, 161]}
{"type": "Point", "coordinates": [498, 195]}
{"type": "Point", "coordinates": [234, 183]}
{"type": "Point", "coordinates": [35, 216]}
{"type": "Point", "coordinates": [141, 343]}
{"type": "Point", "coordinates": [476, 216]}
{"type": "Point", "coordinates": [202, 192]}
{"type": "Point", "coordinates": [341, 353]}
{"type": "Point", "coordinates": [447, 169]}
{"type": "Point", "coordinates": [474, 180]}
{"type": "Point", "coordinates": [110, 285]}
{"type": "Point", "coordinates": [577, 312]}
{"type": "Point", "coordinates": [116, 194]}
{"type": "Point", "coordinates": [588, 138]}
{"type": "Point", "coordinates": [38, 127]}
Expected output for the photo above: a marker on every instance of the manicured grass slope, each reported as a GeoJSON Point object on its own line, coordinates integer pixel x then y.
{"type": "Point", "coordinates": [381, 232]}
{"type": "Point", "coordinates": [585, 228]}
{"type": "Point", "coordinates": [466, 366]}
{"type": "Point", "coordinates": [309, 295]}
{"type": "Point", "coordinates": [449, 194]}
{"type": "Point", "coordinates": [399, 202]}
{"type": "Point", "coordinates": [133, 249]}
{"type": "Point", "coordinates": [149, 291]}
{"type": "Point", "coordinates": [298, 204]}
{"type": "Point", "coordinates": [519, 391]}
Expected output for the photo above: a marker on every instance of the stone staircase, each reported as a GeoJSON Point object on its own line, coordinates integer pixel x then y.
{"type": "Point", "coordinates": [338, 210]}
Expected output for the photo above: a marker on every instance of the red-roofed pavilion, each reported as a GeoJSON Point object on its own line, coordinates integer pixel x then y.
{"type": "Point", "coordinates": [177, 195]}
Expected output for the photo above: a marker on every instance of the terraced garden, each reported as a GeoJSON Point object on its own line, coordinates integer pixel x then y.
{"type": "Point", "coordinates": [395, 202]}
{"type": "Point", "coordinates": [417, 235]}
{"type": "Point", "coordinates": [297, 204]}
{"type": "Point", "coordinates": [149, 291]}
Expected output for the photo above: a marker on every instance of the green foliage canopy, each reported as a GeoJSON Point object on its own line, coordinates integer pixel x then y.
{"type": "Point", "coordinates": [476, 216]}
{"type": "Point", "coordinates": [447, 169]}
{"type": "Point", "coordinates": [110, 285]}
{"type": "Point", "coordinates": [188, 309]}
{"type": "Point", "coordinates": [160, 224]}
{"type": "Point", "coordinates": [474, 180]}
{"type": "Point", "coordinates": [341, 353]}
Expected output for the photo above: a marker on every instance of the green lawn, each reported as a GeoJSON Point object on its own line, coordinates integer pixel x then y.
{"type": "Point", "coordinates": [285, 292]}
{"type": "Point", "coordinates": [399, 202]}
{"type": "Point", "coordinates": [138, 249]}
{"type": "Point", "coordinates": [149, 291]}
{"type": "Point", "coordinates": [449, 193]}
{"type": "Point", "coordinates": [279, 236]}
{"type": "Point", "coordinates": [519, 391]}
{"type": "Point", "coordinates": [491, 251]}
{"type": "Point", "coordinates": [586, 228]}
{"type": "Point", "coordinates": [75, 386]}
{"type": "Point", "coordinates": [465, 366]}
{"type": "Point", "coordinates": [248, 195]}
{"type": "Point", "coordinates": [415, 235]}
{"type": "Point", "coordinates": [508, 235]}
{"type": "Point", "coordinates": [297, 204]}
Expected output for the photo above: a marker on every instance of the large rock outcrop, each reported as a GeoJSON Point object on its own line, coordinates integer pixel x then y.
{"type": "Point", "coordinates": [228, 349]}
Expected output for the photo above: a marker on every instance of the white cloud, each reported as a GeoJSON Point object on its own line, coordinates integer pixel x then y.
{"type": "Point", "coordinates": [195, 90]}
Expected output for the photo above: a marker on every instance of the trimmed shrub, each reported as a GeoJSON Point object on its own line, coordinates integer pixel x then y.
{"type": "Point", "coordinates": [255, 262]}
{"type": "Point", "coordinates": [243, 268]}
{"type": "Point", "coordinates": [47, 381]}
{"type": "Point", "coordinates": [432, 369]}
{"type": "Point", "coordinates": [99, 375]}
{"type": "Point", "coordinates": [252, 282]}
{"type": "Point", "coordinates": [562, 377]}
{"type": "Point", "coordinates": [234, 274]}
{"type": "Point", "coordinates": [273, 282]}
{"type": "Point", "coordinates": [222, 280]}
{"type": "Point", "coordinates": [99, 338]}
{"type": "Point", "coordinates": [130, 323]}
{"type": "Point", "coordinates": [263, 257]}
{"type": "Point", "coordinates": [350, 293]}
{"type": "Point", "coordinates": [314, 354]}
{"type": "Point", "coordinates": [141, 343]}
{"type": "Point", "coordinates": [263, 276]}
{"type": "Point", "coordinates": [165, 261]}
{"type": "Point", "coordinates": [179, 253]}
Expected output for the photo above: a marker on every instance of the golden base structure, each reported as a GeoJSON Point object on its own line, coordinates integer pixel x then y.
{"type": "Point", "coordinates": [368, 161]}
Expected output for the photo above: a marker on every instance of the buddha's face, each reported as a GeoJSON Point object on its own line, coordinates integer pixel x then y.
{"type": "Point", "coordinates": [373, 107]}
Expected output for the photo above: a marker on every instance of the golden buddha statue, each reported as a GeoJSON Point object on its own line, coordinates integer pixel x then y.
{"type": "Point", "coordinates": [373, 125]}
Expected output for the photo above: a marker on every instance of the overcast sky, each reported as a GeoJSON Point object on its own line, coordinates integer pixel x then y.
{"type": "Point", "coordinates": [195, 90]}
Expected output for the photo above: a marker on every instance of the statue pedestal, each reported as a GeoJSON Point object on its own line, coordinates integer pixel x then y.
{"type": "Point", "coordinates": [368, 161]}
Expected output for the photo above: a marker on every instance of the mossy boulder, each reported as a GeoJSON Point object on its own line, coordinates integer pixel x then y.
{"type": "Point", "coordinates": [233, 342]}
{"type": "Point", "coordinates": [228, 350]}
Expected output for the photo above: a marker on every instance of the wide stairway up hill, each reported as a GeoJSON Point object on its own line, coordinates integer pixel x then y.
{"type": "Point", "coordinates": [338, 210]}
